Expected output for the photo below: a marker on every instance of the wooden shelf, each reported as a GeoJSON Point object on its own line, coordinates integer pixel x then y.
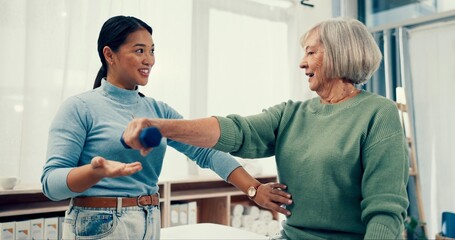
{"type": "Point", "coordinates": [33, 208]}
{"type": "Point", "coordinates": [213, 196]}
{"type": "Point", "coordinates": [402, 107]}
{"type": "Point", "coordinates": [412, 172]}
{"type": "Point", "coordinates": [204, 193]}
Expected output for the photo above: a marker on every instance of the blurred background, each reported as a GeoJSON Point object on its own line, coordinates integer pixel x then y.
{"type": "Point", "coordinates": [216, 57]}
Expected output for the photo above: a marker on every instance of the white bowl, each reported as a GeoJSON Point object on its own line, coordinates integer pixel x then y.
{"type": "Point", "coordinates": [8, 183]}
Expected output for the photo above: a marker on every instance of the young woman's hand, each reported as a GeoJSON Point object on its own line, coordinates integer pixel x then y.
{"type": "Point", "coordinates": [107, 168]}
{"type": "Point", "coordinates": [84, 177]}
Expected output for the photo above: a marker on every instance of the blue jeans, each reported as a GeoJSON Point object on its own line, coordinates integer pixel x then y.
{"type": "Point", "coordinates": [111, 223]}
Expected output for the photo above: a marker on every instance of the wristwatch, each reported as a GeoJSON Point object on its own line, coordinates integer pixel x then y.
{"type": "Point", "coordinates": [252, 192]}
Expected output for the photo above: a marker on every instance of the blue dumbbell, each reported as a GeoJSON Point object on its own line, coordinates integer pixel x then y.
{"type": "Point", "coordinates": [149, 137]}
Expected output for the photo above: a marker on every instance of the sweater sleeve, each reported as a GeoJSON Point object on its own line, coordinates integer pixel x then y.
{"type": "Point", "coordinates": [66, 140]}
{"type": "Point", "coordinates": [221, 163]}
{"type": "Point", "coordinates": [252, 136]}
{"type": "Point", "coordinates": [386, 168]}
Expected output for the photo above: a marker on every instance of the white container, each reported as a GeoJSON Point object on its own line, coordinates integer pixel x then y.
{"type": "Point", "coordinates": [9, 183]}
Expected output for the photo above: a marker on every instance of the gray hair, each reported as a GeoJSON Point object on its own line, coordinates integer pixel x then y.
{"type": "Point", "coordinates": [351, 53]}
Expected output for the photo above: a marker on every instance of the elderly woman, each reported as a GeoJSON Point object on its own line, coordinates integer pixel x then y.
{"type": "Point", "coordinates": [342, 154]}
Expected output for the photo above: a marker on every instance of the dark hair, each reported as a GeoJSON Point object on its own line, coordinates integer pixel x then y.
{"type": "Point", "coordinates": [113, 34]}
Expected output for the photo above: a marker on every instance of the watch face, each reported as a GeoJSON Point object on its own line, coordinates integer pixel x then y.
{"type": "Point", "coordinates": [251, 192]}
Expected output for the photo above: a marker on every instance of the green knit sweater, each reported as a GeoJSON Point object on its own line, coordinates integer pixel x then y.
{"type": "Point", "coordinates": [346, 165]}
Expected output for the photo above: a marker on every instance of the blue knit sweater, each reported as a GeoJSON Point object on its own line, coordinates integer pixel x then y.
{"type": "Point", "coordinates": [91, 124]}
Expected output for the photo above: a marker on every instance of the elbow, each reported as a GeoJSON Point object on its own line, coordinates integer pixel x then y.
{"type": "Point", "coordinates": [52, 187]}
{"type": "Point", "coordinates": [45, 188]}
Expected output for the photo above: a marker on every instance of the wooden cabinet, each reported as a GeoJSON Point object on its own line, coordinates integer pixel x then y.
{"type": "Point", "coordinates": [213, 196]}
{"type": "Point", "coordinates": [18, 205]}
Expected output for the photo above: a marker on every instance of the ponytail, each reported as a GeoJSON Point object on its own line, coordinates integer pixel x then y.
{"type": "Point", "coordinates": [102, 73]}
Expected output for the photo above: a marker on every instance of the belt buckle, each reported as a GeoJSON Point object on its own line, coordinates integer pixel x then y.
{"type": "Point", "coordinates": [138, 201]}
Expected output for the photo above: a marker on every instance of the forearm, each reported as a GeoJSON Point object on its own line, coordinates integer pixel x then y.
{"type": "Point", "coordinates": [242, 180]}
{"type": "Point", "coordinates": [82, 178]}
{"type": "Point", "coordinates": [203, 132]}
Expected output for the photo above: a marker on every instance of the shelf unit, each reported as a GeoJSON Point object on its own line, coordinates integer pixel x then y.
{"type": "Point", "coordinates": [414, 176]}
{"type": "Point", "coordinates": [18, 205]}
{"type": "Point", "coordinates": [213, 196]}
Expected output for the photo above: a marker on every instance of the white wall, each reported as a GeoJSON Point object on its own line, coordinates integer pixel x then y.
{"type": "Point", "coordinates": [249, 63]}
{"type": "Point", "coordinates": [432, 85]}
{"type": "Point", "coordinates": [49, 53]}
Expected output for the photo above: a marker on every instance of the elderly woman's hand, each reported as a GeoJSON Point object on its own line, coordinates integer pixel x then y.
{"type": "Point", "coordinates": [131, 134]}
{"type": "Point", "coordinates": [272, 196]}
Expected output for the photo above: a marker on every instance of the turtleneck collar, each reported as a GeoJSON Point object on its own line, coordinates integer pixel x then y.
{"type": "Point", "coordinates": [119, 94]}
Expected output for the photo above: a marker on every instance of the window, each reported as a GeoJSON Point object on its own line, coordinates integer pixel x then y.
{"type": "Point", "coordinates": [381, 12]}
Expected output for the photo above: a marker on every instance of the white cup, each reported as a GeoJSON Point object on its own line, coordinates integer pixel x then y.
{"type": "Point", "coordinates": [9, 183]}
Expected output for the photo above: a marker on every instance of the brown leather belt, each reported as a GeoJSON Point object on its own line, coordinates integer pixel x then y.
{"type": "Point", "coordinates": [111, 202]}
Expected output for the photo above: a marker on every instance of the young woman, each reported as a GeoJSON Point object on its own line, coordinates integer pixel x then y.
{"type": "Point", "coordinates": [114, 190]}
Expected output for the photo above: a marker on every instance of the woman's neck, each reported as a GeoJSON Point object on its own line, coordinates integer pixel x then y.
{"type": "Point", "coordinates": [338, 92]}
{"type": "Point", "coordinates": [120, 84]}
